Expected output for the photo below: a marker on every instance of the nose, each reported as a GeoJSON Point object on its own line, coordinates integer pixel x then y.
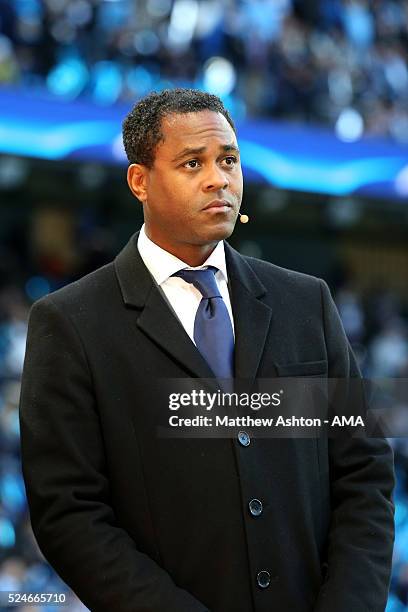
{"type": "Point", "coordinates": [215, 179]}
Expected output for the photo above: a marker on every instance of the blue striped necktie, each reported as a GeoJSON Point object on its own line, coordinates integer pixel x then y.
{"type": "Point", "coordinates": [213, 333]}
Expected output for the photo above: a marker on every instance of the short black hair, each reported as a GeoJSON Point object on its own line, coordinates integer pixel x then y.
{"type": "Point", "coordinates": [141, 128]}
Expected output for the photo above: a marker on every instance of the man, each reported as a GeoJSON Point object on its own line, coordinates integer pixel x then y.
{"type": "Point", "coordinates": [137, 522]}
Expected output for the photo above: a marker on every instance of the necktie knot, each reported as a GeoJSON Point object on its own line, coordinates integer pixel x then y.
{"type": "Point", "coordinates": [203, 280]}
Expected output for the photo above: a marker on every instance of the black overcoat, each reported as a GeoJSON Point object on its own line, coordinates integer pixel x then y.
{"type": "Point", "coordinates": [134, 522]}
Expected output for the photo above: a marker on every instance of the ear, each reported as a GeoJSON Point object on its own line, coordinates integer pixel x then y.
{"type": "Point", "coordinates": [137, 181]}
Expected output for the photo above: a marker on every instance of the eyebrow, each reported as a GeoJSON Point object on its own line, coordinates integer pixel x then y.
{"type": "Point", "coordinates": [197, 150]}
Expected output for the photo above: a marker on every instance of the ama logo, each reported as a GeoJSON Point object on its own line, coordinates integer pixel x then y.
{"type": "Point", "coordinates": [352, 421]}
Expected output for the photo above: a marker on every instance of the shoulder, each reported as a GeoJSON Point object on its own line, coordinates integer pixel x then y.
{"type": "Point", "coordinates": [85, 294]}
{"type": "Point", "coordinates": [277, 285]}
{"type": "Point", "coordinates": [273, 276]}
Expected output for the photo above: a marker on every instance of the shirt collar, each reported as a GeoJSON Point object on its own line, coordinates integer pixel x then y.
{"type": "Point", "coordinates": [162, 264]}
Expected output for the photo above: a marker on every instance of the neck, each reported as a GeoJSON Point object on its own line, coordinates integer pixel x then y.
{"type": "Point", "coordinates": [192, 254]}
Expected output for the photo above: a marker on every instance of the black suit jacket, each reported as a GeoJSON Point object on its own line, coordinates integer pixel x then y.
{"type": "Point", "coordinates": [133, 522]}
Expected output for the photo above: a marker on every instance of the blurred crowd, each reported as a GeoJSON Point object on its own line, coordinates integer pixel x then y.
{"type": "Point", "coordinates": [377, 326]}
{"type": "Point", "coordinates": [336, 62]}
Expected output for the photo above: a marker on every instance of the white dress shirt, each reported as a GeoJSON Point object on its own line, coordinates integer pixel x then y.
{"type": "Point", "coordinates": [183, 297]}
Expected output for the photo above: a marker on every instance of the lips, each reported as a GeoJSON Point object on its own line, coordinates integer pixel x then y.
{"type": "Point", "coordinates": [218, 204]}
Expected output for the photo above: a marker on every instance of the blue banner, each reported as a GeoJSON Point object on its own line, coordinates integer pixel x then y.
{"type": "Point", "coordinates": [286, 155]}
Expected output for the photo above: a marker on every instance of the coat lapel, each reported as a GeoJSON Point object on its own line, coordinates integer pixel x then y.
{"type": "Point", "coordinates": [159, 323]}
{"type": "Point", "coordinates": [154, 316]}
{"type": "Point", "coordinates": [156, 319]}
{"type": "Point", "coordinates": [251, 316]}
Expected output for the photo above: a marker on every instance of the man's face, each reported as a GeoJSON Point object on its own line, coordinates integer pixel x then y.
{"type": "Point", "coordinates": [192, 194]}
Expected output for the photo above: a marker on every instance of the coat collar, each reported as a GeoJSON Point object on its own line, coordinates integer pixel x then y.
{"type": "Point", "coordinates": [251, 315]}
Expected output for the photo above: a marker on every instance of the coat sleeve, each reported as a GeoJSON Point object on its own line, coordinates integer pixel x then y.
{"type": "Point", "coordinates": [361, 534]}
{"type": "Point", "coordinates": [66, 479]}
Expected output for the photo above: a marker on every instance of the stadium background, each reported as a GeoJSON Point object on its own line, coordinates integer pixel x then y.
{"type": "Point", "coordinates": [326, 76]}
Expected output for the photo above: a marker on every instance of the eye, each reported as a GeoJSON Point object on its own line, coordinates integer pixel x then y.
{"type": "Point", "coordinates": [231, 160]}
{"type": "Point", "coordinates": [191, 163]}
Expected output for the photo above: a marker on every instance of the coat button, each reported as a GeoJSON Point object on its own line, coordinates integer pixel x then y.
{"type": "Point", "coordinates": [244, 438]}
{"type": "Point", "coordinates": [263, 579]}
{"type": "Point", "coordinates": [255, 507]}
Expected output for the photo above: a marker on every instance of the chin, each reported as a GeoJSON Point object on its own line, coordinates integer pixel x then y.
{"type": "Point", "coordinates": [220, 232]}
